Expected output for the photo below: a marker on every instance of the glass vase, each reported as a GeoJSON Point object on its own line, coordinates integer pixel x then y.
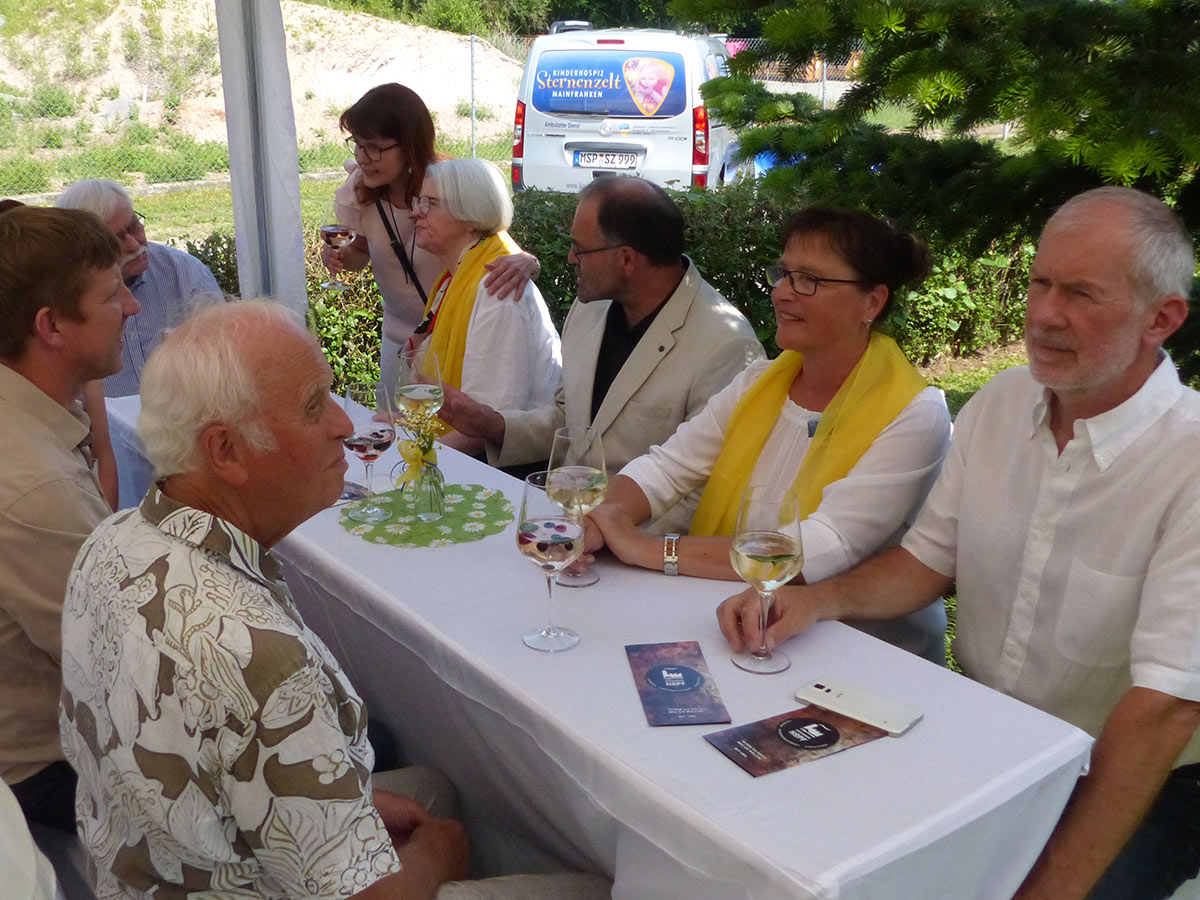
{"type": "Point", "coordinates": [428, 492]}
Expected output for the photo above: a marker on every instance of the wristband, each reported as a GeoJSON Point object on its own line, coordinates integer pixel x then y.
{"type": "Point", "coordinates": [670, 554]}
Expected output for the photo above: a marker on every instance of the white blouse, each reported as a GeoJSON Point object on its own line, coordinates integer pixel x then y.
{"type": "Point", "coordinates": [869, 509]}
{"type": "Point", "coordinates": [513, 358]}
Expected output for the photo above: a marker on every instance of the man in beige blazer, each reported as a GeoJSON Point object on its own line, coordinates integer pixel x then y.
{"type": "Point", "coordinates": [647, 342]}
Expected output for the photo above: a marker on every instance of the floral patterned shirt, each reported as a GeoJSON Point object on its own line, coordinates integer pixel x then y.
{"type": "Point", "coordinates": [220, 749]}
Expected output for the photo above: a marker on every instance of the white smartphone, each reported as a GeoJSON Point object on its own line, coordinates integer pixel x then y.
{"type": "Point", "coordinates": [891, 715]}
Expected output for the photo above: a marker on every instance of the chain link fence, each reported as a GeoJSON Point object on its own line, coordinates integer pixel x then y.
{"type": "Point", "coordinates": [136, 97]}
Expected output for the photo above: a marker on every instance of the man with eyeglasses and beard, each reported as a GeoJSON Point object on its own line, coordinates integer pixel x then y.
{"type": "Point", "coordinates": [166, 282]}
{"type": "Point", "coordinates": [647, 342]}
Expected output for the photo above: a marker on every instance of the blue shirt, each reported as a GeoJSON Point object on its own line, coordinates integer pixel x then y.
{"type": "Point", "coordinates": [171, 285]}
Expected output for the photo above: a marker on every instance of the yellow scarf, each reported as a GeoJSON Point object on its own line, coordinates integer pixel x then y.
{"type": "Point", "coordinates": [874, 393]}
{"type": "Point", "coordinates": [449, 337]}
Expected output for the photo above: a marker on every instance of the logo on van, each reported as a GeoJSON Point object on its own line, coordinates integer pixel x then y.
{"type": "Point", "coordinates": [649, 81]}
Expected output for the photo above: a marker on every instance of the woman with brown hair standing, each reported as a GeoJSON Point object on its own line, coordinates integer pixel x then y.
{"type": "Point", "coordinates": [391, 136]}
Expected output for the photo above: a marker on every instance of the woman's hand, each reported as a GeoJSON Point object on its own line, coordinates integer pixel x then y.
{"type": "Point", "coordinates": [621, 535]}
{"type": "Point", "coordinates": [332, 258]}
{"type": "Point", "coordinates": [508, 275]}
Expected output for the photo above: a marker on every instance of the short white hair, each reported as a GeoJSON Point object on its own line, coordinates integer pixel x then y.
{"type": "Point", "coordinates": [473, 191]}
{"type": "Point", "coordinates": [198, 375]}
{"type": "Point", "coordinates": [1162, 259]}
{"type": "Point", "coordinates": [96, 195]}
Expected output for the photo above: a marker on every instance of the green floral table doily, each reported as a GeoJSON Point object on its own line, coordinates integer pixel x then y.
{"type": "Point", "coordinates": [472, 513]}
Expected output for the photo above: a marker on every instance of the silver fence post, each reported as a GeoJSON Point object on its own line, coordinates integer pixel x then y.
{"type": "Point", "coordinates": [472, 95]}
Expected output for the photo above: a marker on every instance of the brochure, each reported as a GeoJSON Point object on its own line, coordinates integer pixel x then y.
{"type": "Point", "coordinates": [674, 684]}
{"type": "Point", "coordinates": [791, 738]}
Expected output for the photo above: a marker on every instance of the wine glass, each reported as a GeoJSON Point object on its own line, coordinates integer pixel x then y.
{"type": "Point", "coordinates": [419, 382]}
{"type": "Point", "coordinates": [577, 480]}
{"type": "Point", "coordinates": [766, 554]}
{"type": "Point", "coordinates": [552, 538]}
{"type": "Point", "coordinates": [369, 407]}
{"type": "Point", "coordinates": [335, 235]}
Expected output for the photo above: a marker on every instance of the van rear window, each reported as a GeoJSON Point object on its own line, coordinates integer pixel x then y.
{"type": "Point", "coordinates": [621, 83]}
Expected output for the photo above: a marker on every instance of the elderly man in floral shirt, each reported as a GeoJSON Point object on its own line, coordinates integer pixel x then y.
{"type": "Point", "coordinates": [219, 746]}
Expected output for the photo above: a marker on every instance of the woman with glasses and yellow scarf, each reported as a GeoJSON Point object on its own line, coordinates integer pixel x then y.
{"type": "Point", "coordinates": [503, 354]}
{"type": "Point", "coordinates": [391, 138]}
{"type": "Point", "coordinates": [840, 416]}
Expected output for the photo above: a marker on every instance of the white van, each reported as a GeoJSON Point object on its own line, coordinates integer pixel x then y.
{"type": "Point", "coordinates": [594, 103]}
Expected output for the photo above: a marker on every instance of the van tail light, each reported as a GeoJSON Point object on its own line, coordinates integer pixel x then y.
{"type": "Point", "coordinates": [519, 132]}
{"type": "Point", "coordinates": [700, 145]}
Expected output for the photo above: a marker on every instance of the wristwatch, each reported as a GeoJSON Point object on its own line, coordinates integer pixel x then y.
{"type": "Point", "coordinates": [670, 554]}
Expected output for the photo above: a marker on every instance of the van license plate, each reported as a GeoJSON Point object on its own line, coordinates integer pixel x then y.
{"type": "Point", "coordinates": [595, 159]}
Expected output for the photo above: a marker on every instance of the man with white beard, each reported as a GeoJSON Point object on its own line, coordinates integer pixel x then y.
{"type": "Point", "coordinates": [167, 283]}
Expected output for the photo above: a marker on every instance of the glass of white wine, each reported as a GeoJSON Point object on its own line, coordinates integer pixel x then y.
{"type": "Point", "coordinates": [577, 480]}
{"type": "Point", "coordinates": [419, 384]}
{"type": "Point", "coordinates": [336, 235]}
{"type": "Point", "coordinates": [767, 554]}
{"type": "Point", "coordinates": [419, 396]}
{"type": "Point", "coordinates": [551, 537]}
{"type": "Point", "coordinates": [370, 410]}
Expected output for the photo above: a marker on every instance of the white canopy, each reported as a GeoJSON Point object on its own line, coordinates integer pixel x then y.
{"type": "Point", "coordinates": [263, 161]}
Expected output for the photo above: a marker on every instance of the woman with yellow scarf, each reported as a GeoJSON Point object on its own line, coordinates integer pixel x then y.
{"type": "Point", "coordinates": [840, 416]}
{"type": "Point", "coordinates": [503, 353]}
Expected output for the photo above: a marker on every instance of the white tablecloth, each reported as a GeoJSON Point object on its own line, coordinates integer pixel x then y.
{"type": "Point", "coordinates": [556, 766]}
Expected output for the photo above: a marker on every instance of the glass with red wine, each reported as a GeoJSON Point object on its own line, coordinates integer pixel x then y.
{"type": "Point", "coordinates": [335, 235]}
{"type": "Point", "coordinates": [373, 416]}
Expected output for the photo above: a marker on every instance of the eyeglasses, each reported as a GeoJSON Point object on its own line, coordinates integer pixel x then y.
{"type": "Point", "coordinates": [136, 226]}
{"type": "Point", "coordinates": [802, 282]}
{"type": "Point", "coordinates": [421, 205]}
{"type": "Point", "coordinates": [579, 251]}
{"type": "Point", "coordinates": [370, 151]}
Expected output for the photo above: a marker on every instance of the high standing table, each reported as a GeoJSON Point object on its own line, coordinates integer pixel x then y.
{"type": "Point", "coordinates": [556, 766]}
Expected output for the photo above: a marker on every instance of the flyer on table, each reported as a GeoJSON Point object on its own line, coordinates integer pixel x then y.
{"type": "Point", "coordinates": [791, 738]}
{"type": "Point", "coordinates": [674, 684]}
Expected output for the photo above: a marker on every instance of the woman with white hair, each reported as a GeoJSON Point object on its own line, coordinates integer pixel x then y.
{"type": "Point", "coordinates": [504, 354]}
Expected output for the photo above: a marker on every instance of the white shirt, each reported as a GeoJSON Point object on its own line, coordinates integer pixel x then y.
{"type": "Point", "coordinates": [868, 509]}
{"type": "Point", "coordinates": [513, 358]}
{"type": "Point", "coordinates": [1078, 573]}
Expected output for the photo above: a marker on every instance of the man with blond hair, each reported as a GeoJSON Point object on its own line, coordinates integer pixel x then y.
{"type": "Point", "coordinates": [1068, 513]}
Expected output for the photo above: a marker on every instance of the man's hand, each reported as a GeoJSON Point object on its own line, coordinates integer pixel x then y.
{"type": "Point", "coordinates": [790, 614]}
{"type": "Point", "coordinates": [439, 847]}
{"type": "Point", "coordinates": [471, 418]}
{"type": "Point", "coordinates": [508, 275]}
{"type": "Point", "coordinates": [401, 815]}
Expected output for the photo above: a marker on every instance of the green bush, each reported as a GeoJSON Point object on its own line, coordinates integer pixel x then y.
{"type": "Point", "coordinates": [732, 236]}
{"type": "Point", "coordinates": [964, 306]}
{"type": "Point", "coordinates": [219, 252]}
{"type": "Point", "coordinates": [23, 176]}
{"type": "Point", "coordinates": [50, 101]}
{"type": "Point", "coordinates": [53, 139]}
{"type": "Point", "coordinates": [461, 16]}
{"type": "Point", "coordinates": [346, 324]}
{"type": "Point", "coordinates": [139, 133]}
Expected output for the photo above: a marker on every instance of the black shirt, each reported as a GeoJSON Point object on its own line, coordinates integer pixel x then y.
{"type": "Point", "coordinates": [616, 347]}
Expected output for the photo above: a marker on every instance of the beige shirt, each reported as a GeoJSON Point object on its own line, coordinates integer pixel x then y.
{"type": "Point", "coordinates": [49, 503]}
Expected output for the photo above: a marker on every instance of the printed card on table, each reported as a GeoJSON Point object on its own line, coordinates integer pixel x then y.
{"type": "Point", "coordinates": [791, 738]}
{"type": "Point", "coordinates": [674, 684]}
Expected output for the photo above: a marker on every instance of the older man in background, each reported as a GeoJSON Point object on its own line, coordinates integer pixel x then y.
{"type": "Point", "coordinates": [166, 282]}
{"type": "Point", "coordinates": [62, 309]}
{"type": "Point", "coordinates": [219, 745]}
